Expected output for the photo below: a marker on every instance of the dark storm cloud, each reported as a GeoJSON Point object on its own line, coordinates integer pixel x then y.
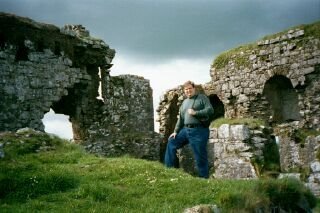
{"type": "Point", "coordinates": [172, 28]}
{"type": "Point", "coordinates": [157, 38]}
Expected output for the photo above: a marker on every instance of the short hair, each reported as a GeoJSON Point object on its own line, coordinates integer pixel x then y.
{"type": "Point", "coordinates": [188, 83]}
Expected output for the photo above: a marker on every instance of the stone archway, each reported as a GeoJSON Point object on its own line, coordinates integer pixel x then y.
{"type": "Point", "coordinates": [282, 98]}
{"type": "Point", "coordinates": [217, 105]}
{"type": "Point", "coordinates": [171, 116]}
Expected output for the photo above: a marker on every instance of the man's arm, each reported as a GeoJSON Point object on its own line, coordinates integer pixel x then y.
{"type": "Point", "coordinates": [207, 110]}
{"type": "Point", "coordinates": [179, 124]}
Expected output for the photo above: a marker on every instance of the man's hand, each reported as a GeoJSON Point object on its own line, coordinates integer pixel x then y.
{"type": "Point", "coordinates": [173, 135]}
{"type": "Point", "coordinates": [191, 112]}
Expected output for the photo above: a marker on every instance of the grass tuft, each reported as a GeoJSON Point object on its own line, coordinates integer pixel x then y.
{"type": "Point", "coordinates": [300, 135]}
{"type": "Point", "coordinates": [29, 186]}
{"type": "Point", "coordinates": [251, 122]}
{"type": "Point", "coordinates": [288, 193]}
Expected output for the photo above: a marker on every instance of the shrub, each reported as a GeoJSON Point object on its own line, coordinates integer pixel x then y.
{"type": "Point", "coordinates": [288, 194]}
{"type": "Point", "coordinates": [244, 202]}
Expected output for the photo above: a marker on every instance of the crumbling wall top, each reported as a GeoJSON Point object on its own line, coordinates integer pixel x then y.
{"type": "Point", "coordinates": [74, 41]}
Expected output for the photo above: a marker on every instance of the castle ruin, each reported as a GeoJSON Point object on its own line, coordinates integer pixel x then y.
{"type": "Point", "coordinates": [275, 80]}
{"type": "Point", "coordinates": [43, 67]}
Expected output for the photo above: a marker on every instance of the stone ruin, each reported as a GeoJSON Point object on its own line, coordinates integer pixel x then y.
{"type": "Point", "coordinates": [275, 80]}
{"type": "Point", "coordinates": [43, 67]}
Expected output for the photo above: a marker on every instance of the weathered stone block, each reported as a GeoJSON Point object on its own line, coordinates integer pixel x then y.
{"type": "Point", "coordinates": [239, 132]}
{"type": "Point", "coordinates": [224, 131]}
{"type": "Point", "coordinates": [315, 166]}
{"type": "Point", "coordinates": [213, 133]}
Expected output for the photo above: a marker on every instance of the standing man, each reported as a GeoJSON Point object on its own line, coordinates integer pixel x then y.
{"type": "Point", "coordinates": [190, 130]}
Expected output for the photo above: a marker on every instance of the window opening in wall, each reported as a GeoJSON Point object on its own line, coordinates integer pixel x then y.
{"type": "Point", "coordinates": [22, 52]}
{"type": "Point", "coordinates": [100, 86]}
{"type": "Point", "coordinates": [3, 41]}
{"type": "Point", "coordinates": [57, 48]}
{"type": "Point", "coordinates": [58, 124]}
{"type": "Point", "coordinates": [282, 98]}
{"type": "Point", "coordinates": [40, 45]}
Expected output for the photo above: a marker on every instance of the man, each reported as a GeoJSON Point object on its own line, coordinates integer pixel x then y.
{"type": "Point", "coordinates": [189, 130]}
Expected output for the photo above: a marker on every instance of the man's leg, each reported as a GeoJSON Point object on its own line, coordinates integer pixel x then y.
{"type": "Point", "coordinates": [179, 141]}
{"type": "Point", "coordinates": [198, 141]}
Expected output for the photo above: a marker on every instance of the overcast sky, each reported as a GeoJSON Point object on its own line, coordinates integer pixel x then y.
{"type": "Point", "coordinates": [168, 41]}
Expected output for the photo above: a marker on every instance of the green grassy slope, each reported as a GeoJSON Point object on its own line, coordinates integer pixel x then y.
{"type": "Point", "coordinates": [43, 173]}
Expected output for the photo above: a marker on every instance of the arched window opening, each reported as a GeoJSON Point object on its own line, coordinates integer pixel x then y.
{"type": "Point", "coordinates": [283, 99]}
{"type": "Point", "coordinates": [58, 124]}
{"type": "Point", "coordinates": [217, 105]}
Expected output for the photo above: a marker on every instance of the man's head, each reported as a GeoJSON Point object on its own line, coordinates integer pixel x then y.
{"type": "Point", "coordinates": [189, 89]}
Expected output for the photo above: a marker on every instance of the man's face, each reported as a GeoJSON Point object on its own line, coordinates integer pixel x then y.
{"type": "Point", "coordinates": [189, 90]}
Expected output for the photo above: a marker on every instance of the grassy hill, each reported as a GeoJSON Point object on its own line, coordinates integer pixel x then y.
{"type": "Point", "coordinates": [43, 173]}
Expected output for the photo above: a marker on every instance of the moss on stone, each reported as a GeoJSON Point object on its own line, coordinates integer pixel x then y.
{"type": "Point", "coordinates": [240, 54]}
{"type": "Point", "coordinates": [312, 29]}
{"type": "Point", "coordinates": [300, 135]}
{"type": "Point", "coordinates": [253, 123]}
{"type": "Point", "coordinates": [309, 30]}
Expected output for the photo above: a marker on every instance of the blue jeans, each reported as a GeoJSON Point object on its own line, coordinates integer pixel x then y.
{"type": "Point", "coordinates": [198, 139]}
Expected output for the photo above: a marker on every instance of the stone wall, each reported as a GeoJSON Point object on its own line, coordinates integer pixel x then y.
{"type": "Point", "coordinates": [275, 80]}
{"type": "Point", "coordinates": [234, 152]}
{"type": "Point", "coordinates": [299, 155]}
{"type": "Point", "coordinates": [43, 67]}
{"type": "Point", "coordinates": [39, 65]}
{"type": "Point", "coordinates": [127, 123]}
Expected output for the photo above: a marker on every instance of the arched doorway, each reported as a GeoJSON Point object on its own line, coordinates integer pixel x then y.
{"type": "Point", "coordinates": [282, 98]}
{"type": "Point", "coordinates": [217, 105]}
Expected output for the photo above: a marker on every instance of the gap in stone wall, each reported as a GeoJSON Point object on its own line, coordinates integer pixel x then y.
{"type": "Point", "coordinates": [57, 124]}
{"type": "Point", "coordinates": [100, 97]}
{"type": "Point", "coordinates": [22, 52]}
{"type": "Point", "coordinates": [283, 99]}
{"type": "Point", "coordinates": [217, 105]}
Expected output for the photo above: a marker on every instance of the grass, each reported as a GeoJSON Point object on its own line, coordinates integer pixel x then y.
{"type": "Point", "coordinates": [240, 55]}
{"type": "Point", "coordinates": [43, 173]}
{"type": "Point", "coordinates": [300, 135]}
{"type": "Point", "coordinates": [251, 122]}
{"type": "Point", "coordinates": [310, 30]}
{"type": "Point", "coordinates": [240, 59]}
